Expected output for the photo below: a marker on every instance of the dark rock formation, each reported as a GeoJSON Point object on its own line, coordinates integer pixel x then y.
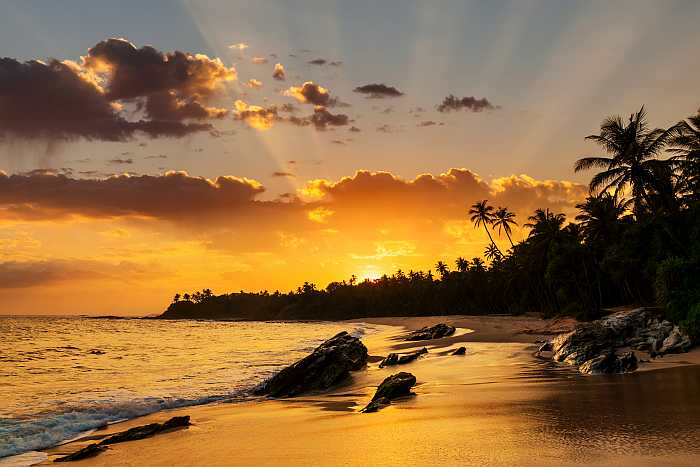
{"type": "Point", "coordinates": [144, 431]}
{"type": "Point", "coordinates": [609, 362]}
{"type": "Point", "coordinates": [328, 365]}
{"type": "Point", "coordinates": [460, 351]}
{"type": "Point", "coordinates": [396, 359]}
{"type": "Point", "coordinates": [86, 452]}
{"type": "Point", "coordinates": [431, 332]}
{"type": "Point", "coordinates": [591, 346]}
{"type": "Point", "coordinates": [394, 386]}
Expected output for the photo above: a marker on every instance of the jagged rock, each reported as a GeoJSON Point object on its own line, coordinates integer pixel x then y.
{"type": "Point", "coordinates": [582, 344]}
{"type": "Point", "coordinates": [676, 342]}
{"type": "Point", "coordinates": [431, 332]}
{"type": "Point", "coordinates": [396, 359]}
{"type": "Point", "coordinates": [144, 431]}
{"type": "Point", "coordinates": [88, 451]}
{"type": "Point", "coordinates": [545, 347]}
{"type": "Point", "coordinates": [329, 364]}
{"type": "Point", "coordinates": [609, 363]}
{"type": "Point", "coordinates": [392, 387]}
{"type": "Point", "coordinates": [460, 351]}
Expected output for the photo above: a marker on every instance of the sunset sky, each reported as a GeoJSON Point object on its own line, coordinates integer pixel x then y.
{"type": "Point", "coordinates": [162, 147]}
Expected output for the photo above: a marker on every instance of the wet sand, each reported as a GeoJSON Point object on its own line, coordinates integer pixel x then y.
{"type": "Point", "coordinates": [497, 405]}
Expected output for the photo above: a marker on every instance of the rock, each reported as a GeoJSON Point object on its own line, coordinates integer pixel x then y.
{"type": "Point", "coordinates": [460, 351]}
{"type": "Point", "coordinates": [144, 431]}
{"type": "Point", "coordinates": [329, 364]}
{"type": "Point", "coordinates": [396, 359]}
{"type": "Point", "coordinates": [676, 342]}
{"type": "Point", "coordinates": [545, 347]}
{"type": "Point", "coordinates": [88, 451]}
{"type": "Point", "coordinates": [431, 332]}
{"type": "Point", "coordinates": [394, 386]}
{"type": "Point", "coordinates": [582, 344]}
{"type": "Point", "coordinates": [609, 363]}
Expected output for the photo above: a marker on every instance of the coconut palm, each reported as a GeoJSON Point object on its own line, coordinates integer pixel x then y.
{"type": "Point", "coordinates": [634, 151]}
{"type": "Point", "coordinates": [600, 216]}
{"type": "Point", "coordinates": [685, 144]}
{"type": "Point", "coordinates": [502, 220]}
{"type": "Point", "coordinates": [442, 268]}
{"type": "Point", "coordinates": [478, 265]}
{"type": "Point", "coordinates": [492, 254]}
{"type": "Point", "coordinates": [482, 214]}
{"type": "Point", "coordinates": [462, 264]}
{"type": "Point", "coordinates": [545, 225]}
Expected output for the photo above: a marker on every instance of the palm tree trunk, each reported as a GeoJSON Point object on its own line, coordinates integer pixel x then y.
{"type": "Point", "coordinates": [490, 238]}
{"type": "Point", "coordinates": [509, 239]}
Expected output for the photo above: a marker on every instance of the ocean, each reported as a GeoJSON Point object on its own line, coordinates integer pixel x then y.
{"type": "Point", "coordinates": [63, 376]}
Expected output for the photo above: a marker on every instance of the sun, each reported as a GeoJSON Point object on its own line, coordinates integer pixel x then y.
{"type": "Point", "coordinates": [370, 273]}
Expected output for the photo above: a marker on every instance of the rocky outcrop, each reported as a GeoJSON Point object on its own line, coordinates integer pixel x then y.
{"type": "Point", "coordinates": [396, 359]}
{"type": "Point", "coordinates": [593, 347]}
{"type": "Point", "coordinates": [87, 452]}
{"type": "Point", "coordinates": [144, 431]}
{"type": "Point", "coordinates": [329, 364]}
{"type": "Point", "coordinates": [460, 351]}
{"type": "Point", "coordinates": [394, 386]}
{"type": "Point", "coordinates": [431, 332]}
{"type": "Point", "coordinates": [132, 434]}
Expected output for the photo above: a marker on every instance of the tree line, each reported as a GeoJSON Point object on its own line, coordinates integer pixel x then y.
{"type": "Point", "coordinates": [635, 240]}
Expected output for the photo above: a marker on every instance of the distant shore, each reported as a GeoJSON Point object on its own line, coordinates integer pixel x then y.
{"type": "Point", "coordinates": [464, 410]}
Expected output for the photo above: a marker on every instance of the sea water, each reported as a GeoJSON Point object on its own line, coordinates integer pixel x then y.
{"type": "Point", "coordinates": [63, 376]}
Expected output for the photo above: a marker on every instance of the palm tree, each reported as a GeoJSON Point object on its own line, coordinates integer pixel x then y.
{"type": "Point", "coordinates": [462, 264]}
{"type": "Point", "coordinates": [442, 269]}
{"type": "Point", "coordinates": [634, 149]}
{"type": "Point", "coordinates": [600, 217]}
{"type": "Point", "coordinates": [478, 265]}
{"type": "Point", "coordinates": [176, 298]}
{"type": "Point", "coordinates": [502, 219]}
{"type": "Point", "coordinates": [492, 254]}
{"type": "Point", "coordinates": [545, 225]}
{"type": "Point", "coordinates": [685, 142]}
{"type": "Point", "coordinates": [482, 214]}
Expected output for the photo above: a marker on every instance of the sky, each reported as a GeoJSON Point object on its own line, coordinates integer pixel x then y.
{"type": "Point", "coordinates": [149, 148]}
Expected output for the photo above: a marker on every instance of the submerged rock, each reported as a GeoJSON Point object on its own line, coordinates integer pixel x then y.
{"type": "Point", "coordinates": [144, 431]}
{"type": "Point", "coordinates": [88, 451]}
{"type": "Point", "coordinates": [329, 364]}
{"type": "Point", "coordinates": [460, 351]}
{"type": "Point", "coordinates": [396, 359]}
{"type": "Point", "coordinates": [431, 332]}
{"type": "Point", "coordinates": [394, 386]}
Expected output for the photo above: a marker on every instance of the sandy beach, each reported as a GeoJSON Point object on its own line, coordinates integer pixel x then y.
{"type": "Point", "coordinates": [498, 405]}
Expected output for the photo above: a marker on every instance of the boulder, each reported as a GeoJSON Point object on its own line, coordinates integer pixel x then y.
{"type": "Point", "coordinates": [394, 386]}
{"type": "Point", "coordinates": [545, 347]}
{"type": "Point", "coordinates": [396, 359]}
{"type": "Point", "coordinates": [676, 342]}
{"type": "Point", "coordinates": [329, 364]}
{"type": "Point", "coordinates": [86, 452]}
{"type": "Point", "coordinates": [431, 332]}
{"type": "Point", "coordinates": [582, 344]}
{"type": "Point", "coordinates": [610, 363]}
{"type": "Point", "coordinates": [460, 351]}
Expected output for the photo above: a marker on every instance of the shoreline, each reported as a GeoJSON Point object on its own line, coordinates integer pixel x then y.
{"type": "Point", "coordinates": [487, 334]}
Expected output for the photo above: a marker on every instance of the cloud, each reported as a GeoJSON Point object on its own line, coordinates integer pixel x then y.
{"type": "Point", "coordinates": [378, 91]}
{"type": "Point", "coordinates": [311, 93]}
{"type": "Point", "coordinates": [238, 46]}
{"type": "Point", "coordinates": [254, 83]}
{"type": "Point", "coordinates": [259, 60]}
{"type": "Point", "coordinates": [323, 61]}
{"type": "Point", "coordinates": [470, 104]}
{"type": "Point", "coordinates": [427, 123]}
{"type": "Point", "coordinates": [171, 196]}
{"type": "Point", "coordinates": [322, 119]}
{"type": "Point", "coordinates": [257, 117]}
{"type": "Point", "coordinates": [65, 100]}
{"type": "Point", "coordinates": [278, 72]}
{"type": "Point", "coordinates": [118, 161]}
{"type": "Point", "coordinates": [354, 129]}
{"type": "Point", "coordinates": [283, 174]}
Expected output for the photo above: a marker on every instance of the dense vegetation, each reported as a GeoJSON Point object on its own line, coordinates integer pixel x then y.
{"type": "Point", "coordinates": [636, 240]}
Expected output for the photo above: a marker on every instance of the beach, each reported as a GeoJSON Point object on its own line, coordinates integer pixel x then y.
{"type": "Point", "coordinates": [497, 405]}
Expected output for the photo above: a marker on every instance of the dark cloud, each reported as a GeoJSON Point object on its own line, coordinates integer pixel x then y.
{"type": "Point", "coordinates": [385, 128]}
{"type": "Point", "coordinates": [312, 93]}
{"type": "Point", "coordinates": [378, 91]}
{"type": "Point", "coordinates": [323, 61]}
{"type": "Point", "coordinates": [470, 104]}
{"type": "Point", "coordinates": [426, 123]}
{"type": "Point", "coordinates": [283, 174]}
{"type": "Point", "coordinates": [354, 129]}
{"type": "Point", "coordinates": [322, 119]}
{"type": "Point", "coordinates": [66, 100]}
{"type": "Point", "coordinates": [159, 156]}
{"type": "Point", "coordinates": [119, 161]}
{"type": "Point", "coordinates": [337, 141]}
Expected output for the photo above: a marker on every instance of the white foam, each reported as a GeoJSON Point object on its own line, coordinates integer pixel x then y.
{"type": "Point", "coordinates": [25, 459]}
